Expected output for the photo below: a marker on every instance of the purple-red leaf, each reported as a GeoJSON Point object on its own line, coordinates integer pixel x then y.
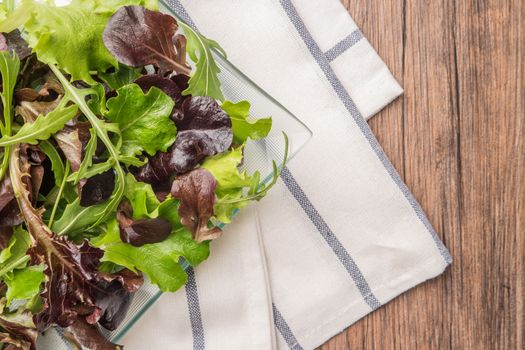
{"type": "Point", "coordinates": [74, 289]}
{"type": "Point", "coordinates": [6, 193]}
{"type": "Point", "coordinates": [97, 189]}
{"type": "Point", "coordinates": [196, 191]}
{"type": "Point", "coordinates": [139, 37]}
{"type": "Point", "coordinates": [14, 42]}
{"type": "Point", "coordinates": [204, 130]}
{"type": "Point", "coordinates": [89, 336]}
{"type": "Point", "coordinates": [140, 232]}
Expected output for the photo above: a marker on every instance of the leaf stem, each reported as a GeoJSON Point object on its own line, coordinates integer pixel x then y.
{"type": "Point", "coordinates": [59, 195]}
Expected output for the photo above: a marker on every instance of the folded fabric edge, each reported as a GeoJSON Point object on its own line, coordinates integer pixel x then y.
{"type": "Point", "coordinates": [427, 270]}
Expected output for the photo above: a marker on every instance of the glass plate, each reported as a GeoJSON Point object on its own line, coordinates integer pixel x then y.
{"type": "Point", "coordinates": [258, 156]}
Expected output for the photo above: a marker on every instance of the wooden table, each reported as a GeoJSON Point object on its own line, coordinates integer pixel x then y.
{"type": "Point", "coordinates": [457, 138]}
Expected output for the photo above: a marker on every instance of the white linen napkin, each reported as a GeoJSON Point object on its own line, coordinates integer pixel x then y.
{"type": "Point", "coordinates": [341, 234]}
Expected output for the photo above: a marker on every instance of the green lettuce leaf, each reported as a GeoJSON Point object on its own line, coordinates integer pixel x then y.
{"type": "Point", "coordinates": [241, 127]}
{"type": "Point", "coordinates": [15, 19]}
{"type": "Point", "coordinates": [24, 284]}
{"type": "Point", "coordinates": [146, 205]}
{"type": "Point", "coordinates": [77, 31]}
{"type": "Point", "coordinates": [231, 183]}
{"type": "Point", "coordinates": [158, 261]}
{"type": "Point", "coordinates": [144, 119]}
{"type": "Point", "coordinates": [142, 198]}
{"type": "Point", "coordinates": [14, 255]}
{"type": "Point", "coordinates": [123, 76]}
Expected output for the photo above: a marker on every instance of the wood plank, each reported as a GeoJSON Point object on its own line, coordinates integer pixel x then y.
{"type": "Point", "coordinates": [456, 138]}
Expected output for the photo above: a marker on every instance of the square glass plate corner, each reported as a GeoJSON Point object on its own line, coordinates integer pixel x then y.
{"type": "Point", "coordinates": [258, 157]}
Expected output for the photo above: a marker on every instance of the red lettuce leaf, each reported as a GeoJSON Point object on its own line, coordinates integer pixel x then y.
{"type": "Point", "coordinates": [196, 191]}
{"type": "Point", "coordinates": [74, 288]}
{"type": "Point", "coordinates": [89, 336]}
{"type": "Point", "coordinates": [139, 37]}
{"type": "Point", "coordinates": [204, 130]}
{"type": "Point", "coordinates": [143, 231]}
{"type": "Point", "coordinates": [97, 189]}
{"type": "Point", "coordinates": [6, 193]}
{"type": "Point", "coordinates": [13, 41]}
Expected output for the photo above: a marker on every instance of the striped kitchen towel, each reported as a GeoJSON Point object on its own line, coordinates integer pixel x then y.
{"type": "Point", "coordinates": [341, 234]}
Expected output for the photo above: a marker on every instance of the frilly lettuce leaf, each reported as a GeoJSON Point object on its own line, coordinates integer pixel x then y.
{"type": "Point", "coordinates": [241, 127]}
{"type": "Point", "coordinates": [146, 205]}
{"type": "Point", "coordinates": [144, 119]}
{"type": "Point", "coordinates": [76, 29]}
{"type": "Point", "coordinates": [158, 261]}
{"type": "Point", "coordinates": [24, 284]}
{"type": "Point", "coordinates": [231, 182]}
{"type": "Point", "coordinates": [14, 255]}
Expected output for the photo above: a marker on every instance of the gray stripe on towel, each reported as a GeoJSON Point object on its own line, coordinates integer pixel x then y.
{"type": "Point", "coordinates": [360, 121]}
{"type": "Point", "coordinates": [284, 329]}
{"type": "Point", "coordinates": [330, 238]}
{"type": "Point", "coordinates": [192, 296]}
{"type": "Point", "coordinates": [339, 48]}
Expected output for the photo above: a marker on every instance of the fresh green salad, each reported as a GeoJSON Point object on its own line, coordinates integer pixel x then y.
{"type": "Point", "coordinates": [118, 161]}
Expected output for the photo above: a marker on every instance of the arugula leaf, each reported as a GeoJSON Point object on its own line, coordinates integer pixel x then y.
{"type": "Point", "coordinates": [241, 127]}
{"type": "Point", "coordinates": [76, 218]}
{"type": "Point", "coordinates": [98, 213]}
{"type": "Point", "coordinates": [143, 118]}
{"type": "Point", "coordinates": [204, 81]}
{"type": "Point", "coordinates": [56, 162]}
{"type": "Point", "coordinates": [159, 261]}
{"type": "Point", "coordinates": [24, 283]}
{"type": "Point", "coordinates": [42, 128]}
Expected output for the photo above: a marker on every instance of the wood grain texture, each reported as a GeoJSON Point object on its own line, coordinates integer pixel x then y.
{"type": "Point", "coordinates": [456, 137]}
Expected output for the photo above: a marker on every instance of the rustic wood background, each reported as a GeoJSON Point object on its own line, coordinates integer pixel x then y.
{"type": "Point", "coordinates": [456, 137]}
